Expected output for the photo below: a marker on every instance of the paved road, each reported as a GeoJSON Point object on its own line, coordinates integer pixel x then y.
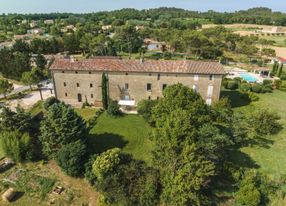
{"type": "Point", "coordinates": [15, 91]}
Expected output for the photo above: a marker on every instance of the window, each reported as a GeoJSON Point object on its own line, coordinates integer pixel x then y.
{"type": "Point", "coordinates": [91, 85]}
{"type": "Point", "coordinates": [158, 77]}
{"type": "Point", "coordinates": [195, 88]}
{"type": "Point", "coordinates": [149, 87]}
{"type": "Point", "coordinates": [196, 77]}
{"type": "Point", "coordinates": [126, 86]}
{"type": "Point", "coordinates": [150, 74]}
{"type": "Point", "coordinates": [91, 96]}
{"type": "Point", "coordinates": [65, 84]}
{"type": "Point", "coordinates": [211, 77]}
{"type": "Point", "coordinates": [209, 101]}
{"type": "Point", "coordinates": [63, 71]}
{"type": "Point", "coordinates": [149, 98]}
{"type": "Point", "coordinates": [77, 84]}
{"type": "Point", "coordinates": [89, 72]}
{"type": "Point", "coordinates": [210, 90]}
{"type": "Point", "coordinates": [66, 94]}
{"type": "Point", "coordinates": [76, 72]}
{"type": "Point", "coordinates": [158, 98]}
{"type": "Point", "coordinates": [164, 87]}
{"type": "Point", "coordinates": [126, 74]}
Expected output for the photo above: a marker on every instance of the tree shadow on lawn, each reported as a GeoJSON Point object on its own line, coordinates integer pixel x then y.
{"type": "Point", "coordinates": [99, 143]}
{"type": "Point", "coordinates": [242, 159]}
{"type": "Point", "coordinates": [236, 98]}
{"type": "Point", "coordinates": [260, 142]}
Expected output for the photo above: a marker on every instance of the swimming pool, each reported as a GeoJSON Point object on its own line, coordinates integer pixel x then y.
{"type": "Point", "coordinates": [247, 77]}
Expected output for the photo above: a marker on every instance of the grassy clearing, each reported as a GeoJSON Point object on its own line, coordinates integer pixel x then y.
{"type": "Point", "coordinates": [271, 156]}
{"type": "Point", "coordinates": [86, 113]}
{"type": "Point", "coordinates": [129, 132]}
{"type": "Point", "coordinates": [279, 40]}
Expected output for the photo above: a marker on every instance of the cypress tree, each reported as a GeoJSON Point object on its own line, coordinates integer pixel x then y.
{"type": "Point", "coordinates": [274, 67]}
{"type": "Point", "coordinates": [104, 91]}
{"type": "Point", "coordinates": [279, 72]}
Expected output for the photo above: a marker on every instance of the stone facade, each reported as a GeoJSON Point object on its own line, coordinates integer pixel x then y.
{"type": "Point", "coordinates": [72, 86]}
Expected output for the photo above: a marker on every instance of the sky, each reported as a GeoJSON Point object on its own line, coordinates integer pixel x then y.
{"type": "Point", "coordinates": [84, 6]}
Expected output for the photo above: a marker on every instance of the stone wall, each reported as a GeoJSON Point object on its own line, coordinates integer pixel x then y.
{"type": "Point", "coordinates": [69, 84]}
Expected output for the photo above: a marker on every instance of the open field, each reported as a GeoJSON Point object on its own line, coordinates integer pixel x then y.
{"type": "Point", "coordinates": [279, 40]}
{"type": "Point", "coordinates": [270, 156]}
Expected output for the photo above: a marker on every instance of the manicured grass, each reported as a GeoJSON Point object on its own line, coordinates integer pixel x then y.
{"type": "Point", "coordinates": [36, 109]}
{"type": "Point", "coordinates": [86, 113]}
{"type": "Point", "coordinates": [270, 157]}
{"type": "Point", "coordinates": [129, 132]}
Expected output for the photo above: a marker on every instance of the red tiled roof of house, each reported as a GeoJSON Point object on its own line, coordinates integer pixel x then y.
{"type": "Point", "coordinates": [281, 59]}
{"type": "Point", "coordinates": [118, 65]}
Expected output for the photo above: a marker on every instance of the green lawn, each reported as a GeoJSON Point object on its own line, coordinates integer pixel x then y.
{"type": "Point", "coordinates": [129, 132]}
{"type": "Point", "coordinates": [86, 113]}
{"type": "Point", "coordinates": [279, 40]}
{"type": "Point", "coordinates": [270, 158]}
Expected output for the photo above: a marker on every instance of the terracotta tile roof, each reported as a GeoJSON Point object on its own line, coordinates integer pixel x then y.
{"type": "Point", "coordinates": [117, 65]}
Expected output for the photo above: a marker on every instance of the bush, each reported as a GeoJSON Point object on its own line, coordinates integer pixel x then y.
{"type": "Point", "coordinates": [16, 145]}
{"type": "Point", "coordinates": [252, 96]}
{"type": "Point", "coordinates": [71, 158]}
{"type": "Point", "coordinates": [49, 102]}
{"type": "Point", "coordinates": [283, 77]}
{"type": "Point", "coordinates": [283, 86]}
{"type": "Point", "coordinates": [248, 194]}
{"type": "Point", "coordinates": [245, 87]}
{"type": "Point", "coordinates": [257, 88]}
{"type": "Point", "coordinates": [144, 108]}
{"type": "Point", "coordinates": [233, 85]}
{"type": "Point", "coordinates": [277, 83]}
{"type": "Point", "coordinates": [267, 82]}
{"type": "Point", "coordinates": [113, 109]}
{"type": "Point", "coordinates": [265, 122]}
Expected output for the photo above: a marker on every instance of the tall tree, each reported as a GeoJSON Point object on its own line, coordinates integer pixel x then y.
{"type": "Point", "coordinates": [5, 87]}
{"type": "Point", "coordinates": [61, 126]}
{"type": "Point", "coordinates": [104, 88]}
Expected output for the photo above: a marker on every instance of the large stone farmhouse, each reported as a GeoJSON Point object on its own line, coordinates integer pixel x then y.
{"type": "Point", "coordinates": [130, 81]}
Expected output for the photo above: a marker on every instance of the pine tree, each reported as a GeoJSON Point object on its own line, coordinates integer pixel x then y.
{"type": "Point", "coordinates": [104, 88]}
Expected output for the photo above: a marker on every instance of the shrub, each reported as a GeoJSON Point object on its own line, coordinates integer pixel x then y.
{"type": "Point", "coordinates": [245, 87]}
{"type": "Point", "coordinates": [265, 122]}
{"type": "Point", "coordinates": [113, 109]}
{"type": "Point", "coordinates": [15, 145]}
{"type": "Point", "coordinates": [277, 83]}
{"type": "Point", "coordinates": [71, 158]}
{"type": "Point", "coordinates": [233, 85]}
{"type": "Point", "coordinates": [144, 108]}
{"type": "Point", "coordinates": [252, 96]}
{"type": "Point", "coordinates": [267, 82]}
{"type": "Point", "coordinates": [49, 102]}
{"type": "Point", "coordinates": [283, 77]}
{"type": "Point", "coordinates": [283, 86]}
{"type": "Point", "coordinates": [248, 194]}
{"type": "Point", "coordinates": [257, 88]}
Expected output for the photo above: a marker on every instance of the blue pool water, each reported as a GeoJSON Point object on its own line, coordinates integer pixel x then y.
{"type": "Point", "coordinates": [247, 77]}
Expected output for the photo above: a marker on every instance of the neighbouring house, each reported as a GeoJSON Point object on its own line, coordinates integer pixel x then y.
{"type": "Point", "coordinates": [35, 31]}
{"type": "Point", "coordinates": [153, 45]}
{"type": "Point", "coordinates": [49, 22]}
{"type": "Point", "coordinates": [106, 27]}
{"type": "Point", "coordinates": [130, 81]}
{"type": "Point", "coordinates": [280, 60]}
